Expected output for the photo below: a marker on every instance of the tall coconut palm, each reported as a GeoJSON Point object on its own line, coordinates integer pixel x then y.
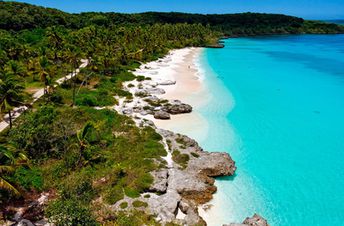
{"type": "Point", "coordinates": [73, 56]}
{"type": "Point", "coordinates": [11, 94]}
{"type": "Point", "coordinates": [55, 41]}
{"type": "Point", "coordinates": [43, 73]}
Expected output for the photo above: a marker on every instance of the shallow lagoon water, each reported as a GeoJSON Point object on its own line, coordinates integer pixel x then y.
{"type": "Point", "coordinates": [277, 107]}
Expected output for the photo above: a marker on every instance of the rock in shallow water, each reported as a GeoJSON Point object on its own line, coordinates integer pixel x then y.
{"type": "Point", "coordinates": [256, 220]}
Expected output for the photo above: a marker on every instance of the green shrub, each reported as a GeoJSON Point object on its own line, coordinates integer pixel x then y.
{"type": "Point", "coordinates": [87, 101]}
{"type": "Point", "coordinates": [133, 218]}
{"type": "Point", "coordinates": [131, 192]}
{"type": "Point", "coordinates": [181, 159]}
{"type": "Point", "coordinates": [114, 194]}
{"type": "Point", "coordinates": [123, 205]}
{"type": "Point", "coordinates": [140, 78]}
{"type": "Point", "coordinates": [194, 154]}
{"type": "Point", "coordinates": [29, 178]}
{"type": "Point", "coordinates": [146, 196]}
{"type": "Point", "coordinates": [99, 97]}
{"type": "Point", "coordinates": [77, 186]}
{"type": "Point", "coordinates": [57, 98]}
{"type": "Point", "coordinates": [69, 212]}
{"type": "Point", "coordinates": [138, 204]}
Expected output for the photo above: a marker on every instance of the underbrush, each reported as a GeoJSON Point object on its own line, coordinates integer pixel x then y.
{"type": "Point", "coordinates": [83, 154]}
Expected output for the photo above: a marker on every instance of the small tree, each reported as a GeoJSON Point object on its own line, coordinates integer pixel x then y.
{"type": "Point", "coordinates": [83, 142]}
{"type": "Point", "coordinates": [11, 93]}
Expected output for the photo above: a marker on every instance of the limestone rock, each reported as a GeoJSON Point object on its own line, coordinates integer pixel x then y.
{"type": "Point", "coordinates": [141, 93]}
{"type": "Point", "coordinates": [177, 108]}
{"type": "Point", "coordinates": [183, 181]}
{"type": "Point", "coordinates": [25, 222]}
{"type": "Point", "coordinates": [213, 164]}
{"type": "Point", "coordinates": [151, 99]}
{"type": "Point", "coordinates": [256, 220]}
{"type": "Point", "coordinates": [154, 91]}
{"type": "Point", "coordinates": [167, 83]}
{"type": "Point", "coordinates": [191, 213]}
{"type": "Point", "coordinates": [160, 181]}
{"type": "Point", "coordinates": [165, 206]}
{"type": "Point", "coordinates": [162, 115]}
{"type": "Point", "coordinates": [127, 111]}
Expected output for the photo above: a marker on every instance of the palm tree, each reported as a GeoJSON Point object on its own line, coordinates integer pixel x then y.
{"type": "Point", "coordinates": [9, 160]}
{"type": "Point", "coordinates": [43, 73]}
{"type": "Point", "coordinates": [73, 56]}
{"type": "Point", "coordinates": [55, 41]}
{"type": "Point", "coordinates": [16, 68]}
{"type": "Point", "coordinates": [11, 93]}
{"type": "Point", "coordinates": [82, 136]}
{"type": "Point", "coordinates": [32, 66]}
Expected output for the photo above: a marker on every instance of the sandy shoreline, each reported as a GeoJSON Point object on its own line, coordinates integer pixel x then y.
{"type": "Point", "coordinates": [177, 81]}
{"type": "Point", "coordinates": [182, 67]}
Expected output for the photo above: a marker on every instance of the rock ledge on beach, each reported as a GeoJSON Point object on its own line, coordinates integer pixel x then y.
{"type": "Point", "coordinates": [162, 115]}
{"type": "Point", "coordinates": [178, 108]}
{"type": "Point", "coordinates": [190, 182]}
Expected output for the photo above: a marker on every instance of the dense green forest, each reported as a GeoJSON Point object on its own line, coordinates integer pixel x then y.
{"type": "Point", "coordinates": [62, 144]}
{"type": "Point", "coordinates": [18, 16]}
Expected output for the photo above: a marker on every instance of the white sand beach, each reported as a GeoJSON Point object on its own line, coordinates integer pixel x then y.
{"type": "Point", "coordinates": [181, 66]}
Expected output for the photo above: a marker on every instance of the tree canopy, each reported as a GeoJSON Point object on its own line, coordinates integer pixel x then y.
{"type": "Point", "coordinates": [17, 16]}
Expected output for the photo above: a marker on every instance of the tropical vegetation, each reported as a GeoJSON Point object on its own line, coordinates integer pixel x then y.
{"type": "Point", "coordinates": [63, 144]}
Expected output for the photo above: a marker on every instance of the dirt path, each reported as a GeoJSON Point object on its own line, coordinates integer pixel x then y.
{"type": "Point", "coordinates": [38, 94]}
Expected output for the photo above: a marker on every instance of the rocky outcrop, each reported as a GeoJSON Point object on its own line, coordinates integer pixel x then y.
{"type": "Point", "coordinates": [187, 180]}
{"type": "Point", "coordinates": [162, 115]}
{"type": "Point", "coordinates": [178, 108]}
{"type": "Point", "coordinates": [167, 83]}
{"type": "Point", "coordinates": [256, 220]}
{"type": "Point", "coordinates": [180, 187]}
{"type": "Point", "coordinates": [155, 91]}
{"type": "Point", "coordinates": [216, 46]}
{"type": "Point", "coordinates": [146, 102]}
{"type": "Point", "coordinates": [184, 188]}
{"type": "Point", "coordinates": [27, 212]}
{"type": "Point", "coordinates": [25, 222]}
{"type": "Point", "coordinates": [160, 181]}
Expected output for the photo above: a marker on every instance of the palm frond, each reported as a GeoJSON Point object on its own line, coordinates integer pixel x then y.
{"type": "Point", "coordinates": [7, 186]}
{"type": "Point", "coordinates": [6, 168]}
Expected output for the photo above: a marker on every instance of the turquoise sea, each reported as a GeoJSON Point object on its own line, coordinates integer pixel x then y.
{"type": "Point", "coordinates": [278, 108]}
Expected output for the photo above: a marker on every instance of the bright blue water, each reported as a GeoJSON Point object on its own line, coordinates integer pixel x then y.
{"type": "Point", "coordinates": [278, 109]}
